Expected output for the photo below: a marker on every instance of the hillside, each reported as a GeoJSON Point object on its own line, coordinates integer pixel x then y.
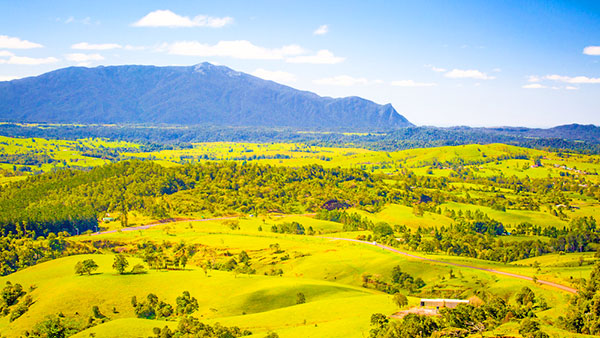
{"type": "Point", "coordinates": [246, 231]}
{"type": "Point", "coordinates": [200, 94]}
{"type": "Point", "coordinates": [587, 133]}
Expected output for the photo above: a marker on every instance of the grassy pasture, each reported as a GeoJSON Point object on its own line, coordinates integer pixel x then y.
{"type": "Point", "coordinates": [329, 272]}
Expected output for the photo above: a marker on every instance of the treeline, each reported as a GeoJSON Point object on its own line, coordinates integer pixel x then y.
{"type": "Point", "coordinates": [475, 235]}
{"type": "Point", "coordinates": [479, 240]}
{"type": "Point", "coordinates": [26, 159]}
{"type": "Point", "coordinates": [351, 221]}
{"type": "Point", "coordinates": [19, 253]}
{"type": "Point", "coordinates": [72, 201]}
{"type": "Point", "coordinates": [387, 140]}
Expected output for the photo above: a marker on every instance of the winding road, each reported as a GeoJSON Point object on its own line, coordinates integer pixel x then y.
{"type": "Point", "coordinates": [385, 247]}
{"type": "Point", "coordinates": [509, 274]}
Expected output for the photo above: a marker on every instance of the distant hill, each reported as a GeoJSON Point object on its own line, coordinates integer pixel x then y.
{"type": "Point", "coordinates": [201, 94]}
{"type": "Point", "coordinates": [576, 132]}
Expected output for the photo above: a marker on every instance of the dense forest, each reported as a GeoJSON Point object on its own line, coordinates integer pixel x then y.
{"type": "Point", "coordinates": [72, 201]}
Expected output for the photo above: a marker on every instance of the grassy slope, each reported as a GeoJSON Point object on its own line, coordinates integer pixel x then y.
{"type": "Point", "coordinates": [329, 276]}
{"type": "Point", "coordinates": [329, 273]}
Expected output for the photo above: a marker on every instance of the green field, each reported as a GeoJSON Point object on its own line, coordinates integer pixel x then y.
{"type": "Point", "coordinates": [422, 194]}
{"type": "Point", "coordinates": [328, 273]}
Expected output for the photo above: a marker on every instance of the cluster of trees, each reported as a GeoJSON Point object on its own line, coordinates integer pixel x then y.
{"type": "Point", "coordinates": [166, 255]}
{"type": "Point", "coordinates": [291, 228]}
{"type": "Point", "coordinates": [399, 281]}
{"type": "Point", "coordinates": [61, 326]}
{"type": "Point", "coordinates": [72, 201]}
{"type": "Point", "coordinates": [240, 265]}
{"type": "Point", "coordinates": [207, 157]}
{"type": "Point", "coordinates": [351, 221]}
{"type": "Point", "coordinates": [26, 159]}
{"type": "Point", "coordinates": [153, 308]}
{"type": "Point", "coordinates": [19, 253]}
{"type": "Point", "coordinates": [192, 327]}
{"type": "Point", "coordinates": [15, 301]}
{"type": "Point", "coordinates": [88, 266]}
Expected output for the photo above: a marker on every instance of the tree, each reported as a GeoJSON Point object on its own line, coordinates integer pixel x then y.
{"type": "Point", "coordinates": [11, 293]}
{"type": "Point", "coordinates": [96, 312]}
{"type": "Point", "coordinates": [400, 300]}
{"type": "Point", "coordinates": [86, 266]}
{"type": "Point", "coordinates": [382, 229]}
{"type": "Point", "coordinates": [300, 298]}
{"type": "Point", "coordinates": [525, 296]}
{"type": "Point", "coordinates": [186, 304]}
{"type": "Point", "coordinates": [531, 329]}
{"type": "Point", "coordinates": [51, 327]}
{"type": "Point", "coordinates": [138, 269]}
{"type": "Point", "coordinates": [120, 263]}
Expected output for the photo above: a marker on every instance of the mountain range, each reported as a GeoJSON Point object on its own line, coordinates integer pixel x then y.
{"type": "Point", "coordinates": [193, 95]}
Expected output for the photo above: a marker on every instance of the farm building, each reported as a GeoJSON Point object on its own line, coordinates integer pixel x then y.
{"type": "Point", "coordinates": [440, 303]}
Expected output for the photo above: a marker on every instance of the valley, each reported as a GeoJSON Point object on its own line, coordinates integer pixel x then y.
{"type": "Point", "coordinates": [246, 228]}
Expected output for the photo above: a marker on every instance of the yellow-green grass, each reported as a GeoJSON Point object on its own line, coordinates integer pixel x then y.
{"type": "Point", "coordinates": [403, 215]}
{"type": "Point", "coordinates": [511, 217]}
{"type": "Point", "coordinates": [220, 294]}
{"type": "Point", "coordinates": [298, 154]}
{"type": "Point", "coordinates": [340, 261]}
{"type": "Point", "coordinates": [328, 272]}
{"type": "Point", "coordinates": [561, 269]}
{"type": "Point", "coordinates": [322, 258]}
{"type": "Point", "coordinates": [63, 152]}
{"type": "Point", "coordinates": [10, 179]}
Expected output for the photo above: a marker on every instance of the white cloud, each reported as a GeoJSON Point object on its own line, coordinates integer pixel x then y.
{"type": "Point", "coordinates": [8, 77]}
{"type": "Point", "coordinates": [238, 49]}
{"type": "Point", "coordinates": [91, 46]}
{"type": "Point", "coordinates": [574, 79]}
{"type": "Point", "coordinates": [28, 61]}
{"type": "Point", "coordinates": [534, 86]}
{"type": "Point", "coordinates": [533, 78]}
{"type": "Point", "coordinates": [85, 58]}
{"type": "Point", "coordinates": [5, 53]}
{"type": "Point", "coordinates": [411, 83]}
{"type": "Point", "coordinates": [16, 43]}
{"type": "Point", "coordinates": [591, 50]}
{"type": "Point", "coordinates": [322, 57]}
{"type": "Point", "coordinates": [342, 80]}
{"type": "Point", "coordinates": [322, 30]}
{"type": "Point", "coordinates": [277, 76]}
{"type": "Point", "coordinates": [468, 74]}
{"type": "Point", "coordinates": [571, 88]}
{"type": "Point", "coordinates": [72, 19]}
{"type": "Point", "coordinates": [436, 69]}
{"type": "Point", "coordinates": [166, 18]}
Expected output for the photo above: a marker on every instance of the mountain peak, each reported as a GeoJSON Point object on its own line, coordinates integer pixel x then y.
{"type": "Point", "coordinates": [177, 95]}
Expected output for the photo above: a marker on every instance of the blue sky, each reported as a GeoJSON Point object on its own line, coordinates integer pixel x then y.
{"type": "Point", "coordinates": [443, 63]}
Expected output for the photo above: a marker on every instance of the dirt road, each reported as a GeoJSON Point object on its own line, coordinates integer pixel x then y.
{"type": "Point", "coordinates": [509, 274]}
{"type": "Point", "coordinates": [385, 247]}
